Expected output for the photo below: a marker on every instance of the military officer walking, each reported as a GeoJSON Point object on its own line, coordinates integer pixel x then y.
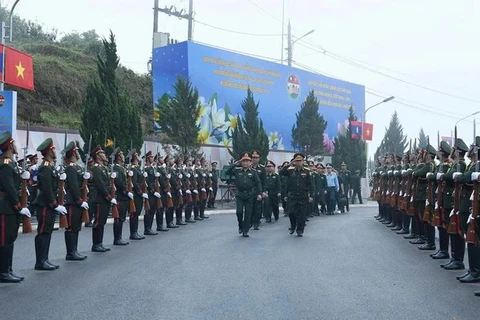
{"type": "Point", "coordinates": [11, 211]}
{"type": "Point", "coordinates": [73, 200]}
{"type": "Point", "coordinates": [249, 190]}
{"type": "Point", "coordinates": [46, 205]}
{"type": "Point", "coordinates": [300, 192]}
{"type": "Point", "coordinates": [273, 190]}
{"type": "Point", "coordinates": [345, 176]}
{"type": "Point", "coordinates": [257, 210]}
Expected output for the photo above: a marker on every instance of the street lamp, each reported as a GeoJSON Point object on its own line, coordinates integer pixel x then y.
{"type": "Point", "coordinates": [306, 34]}
{"type": "Point", "coordinates": [291, 43]}
{"type": "Point", "coordinates": [3, 36]}
{"type": "Point", "coordinates": [466, 117]}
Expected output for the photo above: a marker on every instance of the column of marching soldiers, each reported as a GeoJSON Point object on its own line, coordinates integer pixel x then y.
{"type": "Point", "coordinates": [162, 186]}
{"type": "Point", "coordinates": [415, 196]}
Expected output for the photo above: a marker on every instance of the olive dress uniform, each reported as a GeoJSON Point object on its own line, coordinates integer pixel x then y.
{"type": "Point", "coordinates": [248, 188]}
{"type": "Point", "coordinates": [73, 204]}
{"type": "Point", "coordinates": [137, 179]}
{"type": "Point", "coordinates": [345, 175]}
{"type": "Point", "coordinates": [299, 190]}
{"type": "Point", "coordinates": [10, 207]}
{"type": "Point", "coordinates": [150, 215]}
{"type": "Point", "coordinates": [321, 183]}
{"type": "Point", "coordinates": [121, 194]}
{"type": "Point", "coordinates": [273, 188]}
{"type": "Point", "coordinates": [257, 210]}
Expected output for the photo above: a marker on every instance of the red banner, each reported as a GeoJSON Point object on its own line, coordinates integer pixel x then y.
{"type": "Point", "coordinates": [18, 69]}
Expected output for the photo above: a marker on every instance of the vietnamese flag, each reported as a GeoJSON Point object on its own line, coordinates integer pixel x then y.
{"type": "Point", "coordinates": [367, 131]}
{"type": "Point", "coordinates": [18, 69]}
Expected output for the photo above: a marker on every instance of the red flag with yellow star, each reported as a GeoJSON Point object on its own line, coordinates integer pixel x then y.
{"type": "Point", "coordinates": [367, 131]}
{"type": "Point", "coordinates": [18, 69]}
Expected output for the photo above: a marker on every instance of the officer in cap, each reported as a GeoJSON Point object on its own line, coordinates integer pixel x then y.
{"type": "Point", "coordinates": [46, 205]}
{"type": "Point", "coordinates": [11, 209]}
{"type": "Point", "coordinates": [273, 190]}
{"type": "Point", "coordinates": [122, 195]}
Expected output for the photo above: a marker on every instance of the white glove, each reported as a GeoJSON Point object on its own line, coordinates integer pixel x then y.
{"type": "Point", "coordinates": [25, 212]}
{"type": "Point", "coordinates": [169, 194]}
{"type": "Point", "coordinates": [63, 176]}
{"type": "Point", "coordinates": [113, 175]}
{"type": "Point", "coordinates": [168, 176]}
{"type": "Point", "coordinates": [58, 168]}
{"type": "Point", "coordinates": [35, 178]}
{"type": "Point", "coordinates": [409, 170]}
{"type": "Point", "coordinates": [113, 201]}
{"type": "Point", "coordinates": [130, 173]}
{"type": "Point", "coordinates": [204, 174]}
{"type": "Point", "coordinates": [84, 205]}
{"type": "Point", "coordinates": [156, 194]}
{"type": "Point", "coordinates": [203, 190]}
{"type": "Point", "coordinates": [61, 209]}
{"type": "Point", "coordinates": [456, 174]}
{"type": "Point", "coordinates": [390, 172]}
{"type": "Point", "coordinates": [144, 195]}
{"type": "Point", "coordinates": [279, 195]}
{"type": "Point", "coordinates": [180, 192]}
{"type": "Point", "coordinates": [395, 172]}
{"type": "Point", "coordinates": [180, 176]}
{"type": "Point", "coordinates": [451, 213]}
{"type": "Point", "coordinates": [430, 174]}
{"type": "Point", "coordinates": [211, 189]}
{"type": "Point", "coordinates": [195, 191]}
{"type": "Point", "coordinates": [164, 165]}
{"type": "Point", "coordinates": [196, 175]}
{"type": "Point", "coordinates": [87, 176]}
{"type": "Point", "coordinates": [130, 195]}
{"type": "Point", "coordinates": [25, 175]}
{"type": "Point", "coordinates": [475, 176]}
{"type": "Point", "coordinates": [210, 175]}
{"type": "Point", "coordinates": [157, 174]}
{"type": "Point", "coordinates": [470, 218]}
{"type": "Point", "coordinates": [145, 174]}
{"type": "Point", "coordinates": [404, 171]}
{"type": "Point", "coordinates": [471, 196]}
{"type": "Point", "coordinates": [401, 193]}
{"type": "Point", "coordinates": [188, 192]}
{"type": "Point", "coordinates": [440, 176]}
{"type": "Point", "coordinates": [34, 167]}
{"type": "Point", "coordinates": [388, 193]}
{"type": "Point", "coordinates": [188, 175]}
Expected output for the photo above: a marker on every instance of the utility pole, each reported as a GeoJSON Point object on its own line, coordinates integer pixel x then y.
{"type": "Point", "coordinates": [283, 30]}
{"type": "Point", "coordinates": [3, 35]}
{"type": "Point", "coordinates": [289, 48]}
{"type": "Point", "coordinates": [172, 11]}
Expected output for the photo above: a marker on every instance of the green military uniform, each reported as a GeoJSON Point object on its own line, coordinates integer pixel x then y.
{"type": "Point", "coordinates": [160, 175]}
{"type": "Point", "coordinates": [201, 176]}
{"type": "Point", "coordinates": [312, 206]}
{"type": "Point", "coordinates": [273, 188]}
{"type": "Point", "coordinates": [345, 175]}
{"type": "Point", "coordinates": [257, 210]}
{"type": "Point", "coordinates": [300, 192]}
{"type": "Point", "coordinates": [46, 207]}
{"type": "Point", "coordinates": [321, 184]}
{"type": "Point", "coordinates": [457, 242]}
{"type": "Point", "coordinates": [356, 186]}
{"type": "Point", "coordinates": [122, 196]}
{"type": "Point", "coordinates": [74, 203]}
{"type": "Point", "coordinates": [444, 202]}
{"type": "Point", "coordinates": [101, 201]}
{"type": "Point", "coordinates": [283, 180]}
{"type": "Point", "coordinates": [10, 208]}
{"type": "Point", "coordinates": [214, 177]}
{"type": "Point", "coordinates": [188, 182]}
{"type": "Point", "coordinates": [178, 188]}
{"type": "Point", "coordinates": [150, 188]}
{"type": "Point", "coordinates": [248, 187]}
{"type": "Point", "coordinates": [137, 180]}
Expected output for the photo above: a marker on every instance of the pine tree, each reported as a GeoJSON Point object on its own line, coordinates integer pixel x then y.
{"type": "Point", "coordinates": [394, 140]}
{"type": "Point", "coordinates": [107, 112]}
{"type": "Point", "coordinates": [422, 139]}
{"type": "Point", "coordinates": [249, 134]}
{"type": "Point", "coordinates": [309, 127]}
{"type": "Point", "coordinates": [178, 116]}
{"type": "Point", "coordinates": [349, 150]}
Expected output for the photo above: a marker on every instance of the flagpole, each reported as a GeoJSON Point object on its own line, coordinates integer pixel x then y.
{"type": "Point", "coordinates": [2, 83]}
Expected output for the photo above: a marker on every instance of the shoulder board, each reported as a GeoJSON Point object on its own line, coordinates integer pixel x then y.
{"type": "Point", "coordinates": [73, 164]}
{"type": "Point", "coordinates": [275, 174]}
{"type": "Point", "coordinates": [261, 166]}
{"type": "Point", "coordinates": [291, 168]}
{"type": "Point", "coordinates": [308, 169]}
{"type": "Point", "coordinates": [238, 168]}
{"type": "Point", "coordinates": [5, 160]}
{"type": "Point", "coordinates": [46, 163]}
{"type": "Point", "coordinates": [96, 165]}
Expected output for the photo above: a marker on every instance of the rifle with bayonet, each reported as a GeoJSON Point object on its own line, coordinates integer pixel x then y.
{"type": "Point", "coordinates": [146, 205]}
{"type": "Point", "coordinates": [26, 222]}
{"type": "Point", "coordinates": [63, 223]}
{"type": "Point", "coordinates": [115, 214]}
{"type": "Point", "coordinates": [438, 214]}
{"type": "Point", "coordinates": [427, 212]}
{"type": "Point", "coordinates": [85, 216]}
{"type": "Point", "coordinates": [158, 201]}
{"type": "Point", "coordinates": [131, 203]}
{"type": "Point", "coordinates": [454, 225]}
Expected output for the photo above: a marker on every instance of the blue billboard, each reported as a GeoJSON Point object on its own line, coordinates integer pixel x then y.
{"type": "Point", "coordinates": [222, 78]}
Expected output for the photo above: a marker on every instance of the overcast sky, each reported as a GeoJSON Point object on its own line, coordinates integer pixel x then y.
{"type": "Point", "coordinates": [432, 44]}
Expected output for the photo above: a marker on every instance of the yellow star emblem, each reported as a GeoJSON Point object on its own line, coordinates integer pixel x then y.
{"type": "Point", "coordinates": [368, 132]}
{"type": "Point", "coordinates": [20, 70]}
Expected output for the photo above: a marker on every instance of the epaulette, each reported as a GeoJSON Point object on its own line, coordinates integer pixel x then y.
{"type": "Point", "coordinates": [46, 163]}
{"type": "Point", "coordinates": [291, 168]}
{"type": "Point", "coordinates": [72, 164]}
{"type": "Point", "coordinates": [5, 160]}
{"type": "Point", "coordinates": [96, 165]}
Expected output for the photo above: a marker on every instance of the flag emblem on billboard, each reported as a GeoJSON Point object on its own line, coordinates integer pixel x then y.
{"type": "Point", "coordinates": [293, 86]}
{"type": "Point", "coordinates": [2, 100]}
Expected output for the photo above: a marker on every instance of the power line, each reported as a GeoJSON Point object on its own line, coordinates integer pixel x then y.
{"type": "Point", "coordinates": [351, 61]}
{"type": "Point", "coordinates": [239, 32]}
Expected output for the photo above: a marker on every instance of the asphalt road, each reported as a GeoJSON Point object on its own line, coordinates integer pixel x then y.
{"type": "Point", "coordinates": [345, 267]}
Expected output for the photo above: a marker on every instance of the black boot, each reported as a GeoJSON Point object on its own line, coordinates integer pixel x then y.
{"type": "Point", "coordinates": [48, 240]}
{"type": "Point", "coordinates": [5, 275]}
{"type": "Point", "coordinates": [202, 213]}
{"type": "Point", "coordinates": [196, 214]}
{"type": "Point", "coordinates": [170, 225]}
{"type": "Point", "coordinates": [100, 237]}
{"type": "Point", "coordinates": [96, 247]}
{"type": "Point", "coordinates": [178, 216]}
{"type": "Point", "coordinates": [117, 233]}
{"type": "Point", "coordinates": [75, 245]}
{"type": "Point", "coordinates": [473, 263]}
{"type": "Point", "coordinates": [40, 253]}
{"type": "Point", "coordinates": [10, 263]}
{"type": "Point", "coordinates": [70, 245]}
{"type": "Point", "coordinates": [134, 228]}
{"type": "Point", "coordinates": [147, 223]}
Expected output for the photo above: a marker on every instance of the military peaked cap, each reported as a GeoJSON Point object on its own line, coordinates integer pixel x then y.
{"type": "Point", "coordinates": [460, 145]}
{"type": "Point", "coordinates": [96, 151]}
{"type": "Point", "coordinates": [445, 147]}
{"type": "Point", "coordinates": [298, 157]}
{"type": "Point", "coordinates": [271, 163]}
{"type": "Point", "coordinates": [246, 156]}
{"type": "Point", "coordinates": [255, 154]}
{"type": "Point", "coordinates": [431, 150]}
{"type": "Point", "coordinates": [69, 149]}
{"type": "Point", "coordinates": [117, 152]}
{"type": "Point", "coordinates": [5, 140]}
{"type": "Point", "coordinates": [45, 146]}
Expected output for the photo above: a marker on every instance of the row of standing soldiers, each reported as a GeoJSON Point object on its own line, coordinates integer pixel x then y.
{"type": "Point", "coordinates": [165, 188]}
{"type": "Point", "coordinates": [416, 195]}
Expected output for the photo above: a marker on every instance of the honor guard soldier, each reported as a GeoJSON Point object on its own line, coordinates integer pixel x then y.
{"type": "Point", "coordinates": [300, 192]}
{"type": "Point", "coordinates": [160, 177]}
{"type": "Point", "coordinates": [257, 210]}
{"type": "Point", "coordinates": [249, 189]}
{"type": "Point", "coordinates": [444, 199]}
{"type": "Point", "coordinates": [73, 200]}
{"type": "Point", "coordinates": [273, 190]}
{"type": "Point", "coordinates": [139, 197]}
{"type": "Point", "coordinates": [32, 186]}
{"type": "Point", "coordinates": [169, 191]}
{"type": "Point", "coordinates": [457, 243]}
{"type": "Point", "coordinates": [202, 188]}
{"type": "Point", "coordinates": [345, 175]}
{"type": "Point", "coordinates": [152, 195]}
{"type": "Point", "coordinates": [321, 183]}
{"type": "Point", "coordinates": [122, 195]}
{"type": "Point", "coordinates": [283, 180]}
{"type": "Point", "coordinates": [46, 205]}
{"type": "Point", "coordinates": [11, 211]}
{"type": "Point", "coordinates": [189, 195]}
{"type": "Point", "coordinates": [178, 188]}
{"type": "Point", "coordinates": [214, 177]}
{"type": "Point", "coordinates": [426, 176]}
{"type": "Point", "coordinates": [101, 198]}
